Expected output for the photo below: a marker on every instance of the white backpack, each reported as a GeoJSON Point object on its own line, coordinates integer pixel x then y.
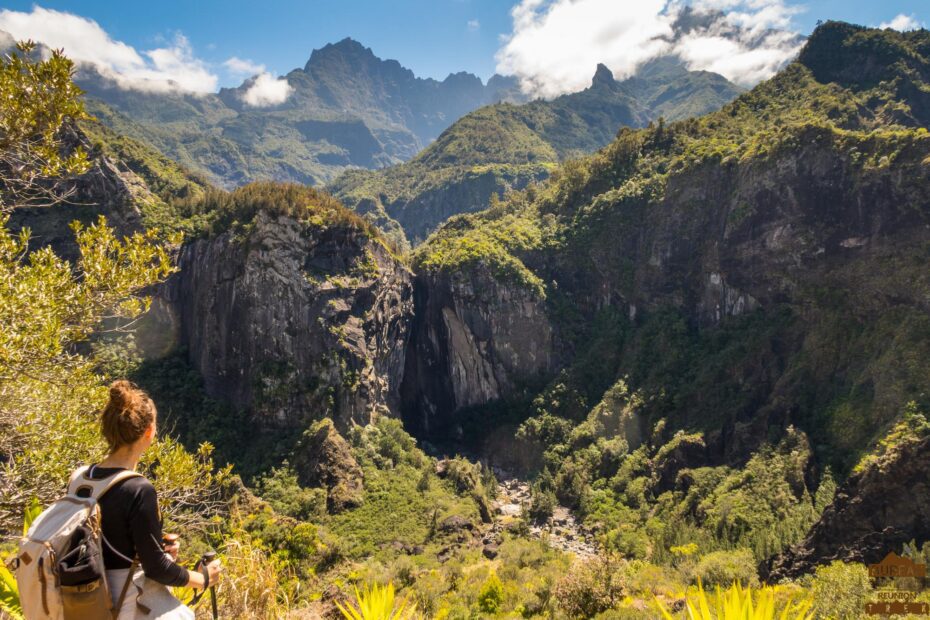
{"type": "Point", "coordinates": [59, 567]}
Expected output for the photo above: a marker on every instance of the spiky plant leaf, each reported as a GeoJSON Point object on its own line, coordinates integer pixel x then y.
{"type": "Point", "coordinates": [738, 603]}
{"type": "Point", "coordinates": [9, 594]}
{"type": "Point", "coordinates": [377, 603]}
{"type": "Point", "coordinates": [33, 510]}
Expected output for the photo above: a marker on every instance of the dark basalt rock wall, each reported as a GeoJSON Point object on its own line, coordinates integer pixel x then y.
{"type": "Point", "coordinates": [475, 340]}
{"type": "Point", "coordinates": [295, 322]}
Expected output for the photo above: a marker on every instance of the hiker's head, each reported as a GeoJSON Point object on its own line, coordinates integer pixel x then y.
{"type": "Point", "coordinates": [128, 418]}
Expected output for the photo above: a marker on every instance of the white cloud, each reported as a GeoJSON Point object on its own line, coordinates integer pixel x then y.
{"type": "Point", "coordinates": [556, 44]}
{"type": "Point", "coordinates": [239, 66]}
{"type": "Point", "coordinates": [266, 91]}
{"type": "Point", "coordinates": [746, 42]}
{"type": "Point", "coordinates": [902, 22]}
{"type": "Point", "coordinates": [474, 24]}
{"type": "Point", "coordinates": [164, 69]}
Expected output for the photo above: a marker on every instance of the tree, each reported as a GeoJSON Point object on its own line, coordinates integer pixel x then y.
{"type": "Point", "coordinates": [37, 100]}
{"type": "Point", "coordinates": [49, 391]}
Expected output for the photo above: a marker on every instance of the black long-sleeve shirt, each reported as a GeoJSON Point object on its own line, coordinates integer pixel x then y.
{"type": "Point", "coordinates": [131, 526]}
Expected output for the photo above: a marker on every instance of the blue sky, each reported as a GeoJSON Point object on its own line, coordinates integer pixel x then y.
{"type": "Point", "coordinates": [432, 37]}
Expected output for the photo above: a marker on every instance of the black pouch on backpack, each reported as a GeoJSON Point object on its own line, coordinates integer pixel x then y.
{"type": "Point", "coordinates": [81, 575]}
{"type": "Point", "coordinates": [81, 563]}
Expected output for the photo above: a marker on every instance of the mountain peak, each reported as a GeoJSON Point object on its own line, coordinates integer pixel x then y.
{"type": "Point", "coordinates": [603, 76]}
{"type": "Point", "coordinates": [347, 48]}
{"type": "Point", "coordinates": [347, 44]}
{"type": "Point", "coordinates": [860, 58]}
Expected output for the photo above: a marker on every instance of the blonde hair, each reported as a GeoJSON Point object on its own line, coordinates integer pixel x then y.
{"type": "Point", "coordinates": [126, 416]}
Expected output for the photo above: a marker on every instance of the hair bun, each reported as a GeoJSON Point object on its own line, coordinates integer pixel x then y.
{"type": "Point", "coordinates": [120, 393]}
{"type": "Point", "coordinates": [127, 414]}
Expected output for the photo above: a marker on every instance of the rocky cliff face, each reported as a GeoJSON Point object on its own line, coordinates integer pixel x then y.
{"type": "Point", "coordinates": [475, 340]}
{"type": "Point", "coordinates": [877, 511]}
{"type": "Point", "coordinates": [726, 240]}
{"type": "Point", "coordinates": [722, 242]}
{"type": "Point", "coordinates": [294, 321]}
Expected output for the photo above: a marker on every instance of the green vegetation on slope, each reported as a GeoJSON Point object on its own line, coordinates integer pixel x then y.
{"type": "Point", "coordinates": [507, 146]}
{"type": "Point", "coordinates": [672, 425]}
{"type": "Point", "coordinates": [164, 177]}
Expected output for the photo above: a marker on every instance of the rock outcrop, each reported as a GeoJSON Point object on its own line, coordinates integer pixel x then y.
{"type": "Point", "coordinates": [324, 459]}
{"type": "Point", "coordinates": [295, 321]}
{"type": "Point", "coordinates": [476, 339]}
{"type": "Point", "coordinates": [875, 512]}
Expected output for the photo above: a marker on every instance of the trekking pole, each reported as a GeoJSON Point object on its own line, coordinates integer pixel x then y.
{"type": "Point", "coordinates": [208, 557]}
{"type": "Point", "coordinates": [202, 563]}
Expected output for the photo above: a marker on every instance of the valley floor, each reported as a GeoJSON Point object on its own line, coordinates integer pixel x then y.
{"type": "Point", "coordinates": [561, 531]}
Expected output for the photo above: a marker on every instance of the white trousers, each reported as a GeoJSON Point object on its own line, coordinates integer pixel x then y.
{"type": "Point", "coordinates": [155, 596]}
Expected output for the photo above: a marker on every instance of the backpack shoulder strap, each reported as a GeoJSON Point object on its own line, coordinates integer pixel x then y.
{"type": "Point", "coordinates": [97, 488]}
{"type": "Point", "coordinates": [77, 473]}
{"type": "Point", "coordinates": [113, 480]}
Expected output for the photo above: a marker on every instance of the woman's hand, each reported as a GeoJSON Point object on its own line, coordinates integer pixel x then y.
{"type": "Point", "coordinates": [215, 569]}
{"type": "Point", "coordinates": [171, 543]}
{"type": "Point", "coordinates": [172, 549]}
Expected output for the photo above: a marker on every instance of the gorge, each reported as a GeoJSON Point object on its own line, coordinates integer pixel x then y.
{"type": "Point", "coordinates": [686, 327]}
{"type": "Point", "coordinates": [733, 291]}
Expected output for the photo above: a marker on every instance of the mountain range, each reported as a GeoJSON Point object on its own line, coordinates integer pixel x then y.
{"type": "Point", "coordinates": [346, 108]}
{"type": "Point", "coordinates": [506, 146]}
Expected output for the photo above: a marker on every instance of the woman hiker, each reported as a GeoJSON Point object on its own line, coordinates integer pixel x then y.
{"type": "Point", "coordinates": [131, 525]}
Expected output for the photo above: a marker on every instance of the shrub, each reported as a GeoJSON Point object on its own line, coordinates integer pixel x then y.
{"type": "Point", "coordinates": [542, 504]}
{"type": "Point", "coordinates": [591, 587]}
{"type": "Point", "coordinates": [724, 568]}
{"type": "Point", "coordinates": [464, 475]}
{"type": "Point", "coordinates": [629, 541]}
{"type": "Point", "coordinates": [840, 590]}
{"type": "Point", "coordinates": [491, 597]}
{"type": "Point", "coordinates": [281, 490]}
{"type": "Point", "coordinates": [571, 484]}
{"type": "Point", "coordinates": [646, 580]}
{"type": "Point", "coordinates": [430, 587]}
